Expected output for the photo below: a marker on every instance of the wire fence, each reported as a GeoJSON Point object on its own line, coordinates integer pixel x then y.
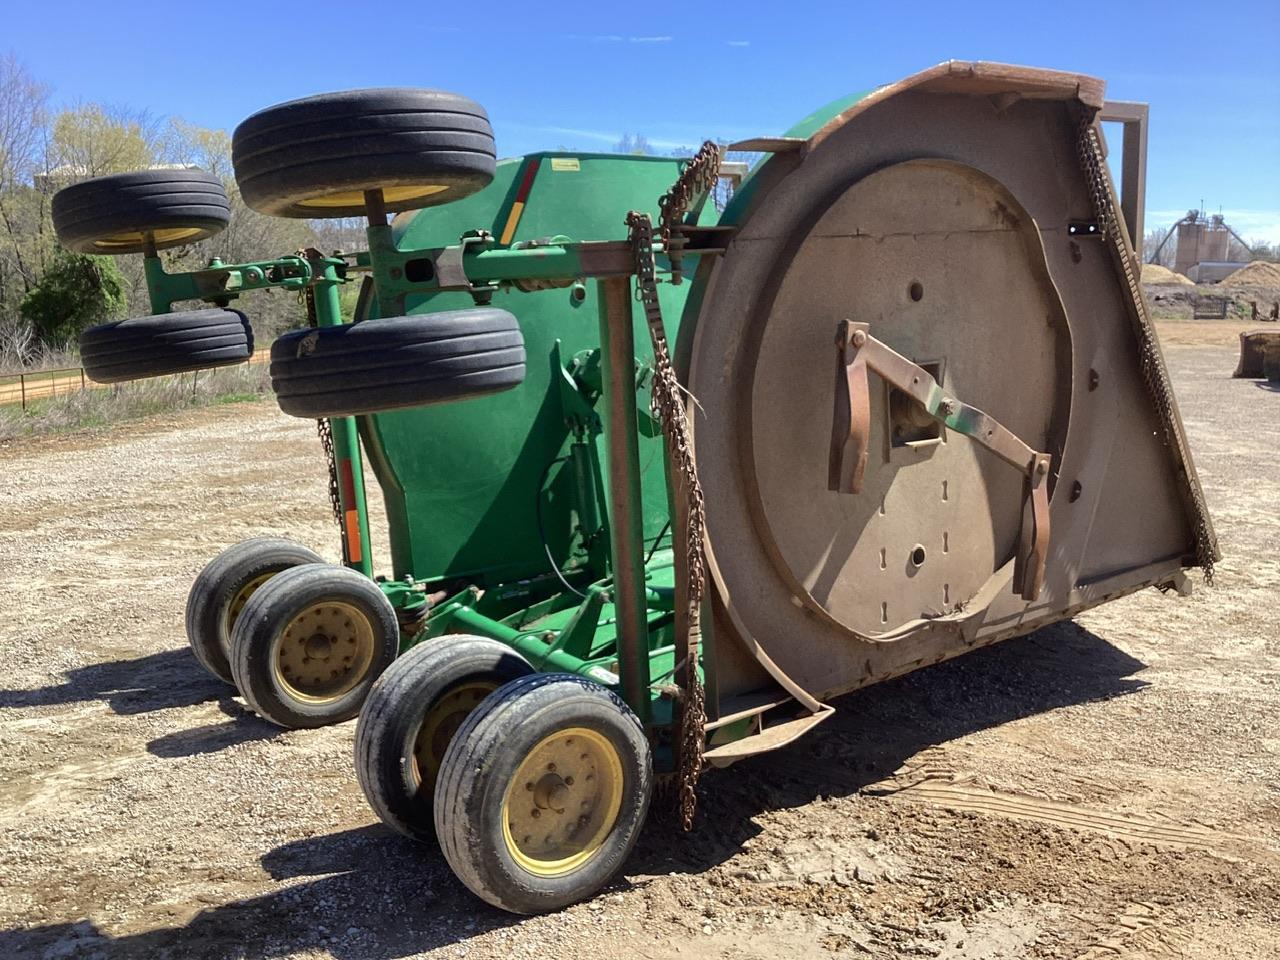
{"type": "Point", "coordinates": [25, 387]}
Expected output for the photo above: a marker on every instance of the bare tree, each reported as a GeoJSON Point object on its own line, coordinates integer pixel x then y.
{"type": "Point", "coordinates": [1151, 241]}
{"type": "Point", "coordinates": [22, 138]}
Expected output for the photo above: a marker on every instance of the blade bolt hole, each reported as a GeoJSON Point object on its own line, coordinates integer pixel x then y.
{"type": "Point", "coordinates": [916, 291]}
{"type": "Point", "coordinates": [917, 555]}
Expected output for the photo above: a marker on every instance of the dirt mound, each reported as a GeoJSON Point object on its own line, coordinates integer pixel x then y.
{"type": "Point", "coordinates": [1260, 273]}
{"type": "Point", "coordinates": [1154, 273]}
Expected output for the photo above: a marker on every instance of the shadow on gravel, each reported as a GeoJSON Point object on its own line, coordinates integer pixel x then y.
{"type": "Point", "coordinates": [157, 681]}
{"type": "Point", "coordinates": [370, 894]}
{"type": "Point", "coordinates": [879, 730]}
{"type": "Point", "coordinates": [245, 726]}
{"type": "Point", "coordinates": [375, 896]}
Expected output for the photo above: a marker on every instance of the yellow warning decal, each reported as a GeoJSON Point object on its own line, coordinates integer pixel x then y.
{"type": "Point", "coordinates": [565, 164]}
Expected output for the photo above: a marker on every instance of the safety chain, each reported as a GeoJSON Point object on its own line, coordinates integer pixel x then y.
{"type": "Point", "coordinates": [697, 176]}
{"type": "Point", "coordinates": [1154, 374]}
{"type": "Point", "coordinates": [667, 405]}
{"type": "Point", "coordinates": [308, 296]}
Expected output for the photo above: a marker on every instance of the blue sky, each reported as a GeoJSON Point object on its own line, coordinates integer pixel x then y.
{"type": "Point", "coordinates": [582, 74]}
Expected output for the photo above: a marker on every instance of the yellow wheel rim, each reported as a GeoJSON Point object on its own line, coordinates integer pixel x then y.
{"type": "Point", "coordinates": [563, 802]}
{"type": "Point", "coordinates": [167, 235]}
{"type": "Point", "coordinates": [355, 198]}
{"type": "Point", "coordinates": [323, 652]}
{"type": "Point", "coordinates": [236, 607]}
{"type": "Point", "coordinates": [438, 727]}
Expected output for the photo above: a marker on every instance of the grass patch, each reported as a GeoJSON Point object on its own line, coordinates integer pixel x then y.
{"type": "Point", "coordinates": [100, 407]}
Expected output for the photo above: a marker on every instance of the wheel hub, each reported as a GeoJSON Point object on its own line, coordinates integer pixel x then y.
{"type": "Point", "coordinates": [551, 793]}
{"type": "Point", "coordinates": [318, 646]}
{"type": "Point", "coordinates": [563, 802]}
{"type": "Point", "coordinates": [324, 651]}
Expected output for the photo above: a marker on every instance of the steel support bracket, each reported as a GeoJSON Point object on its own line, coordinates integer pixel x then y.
{"type": "Point", "coordinates": [857, 352]}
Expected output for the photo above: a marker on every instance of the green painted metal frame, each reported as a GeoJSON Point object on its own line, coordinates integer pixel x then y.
{"type": "Point", "coordinates": [620, 632]}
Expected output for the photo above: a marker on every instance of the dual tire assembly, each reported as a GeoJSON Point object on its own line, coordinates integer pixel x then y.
{"type": "Point", "coordinates": [302, 640]}
{"type": "Point", "coordinates": [534, 785]}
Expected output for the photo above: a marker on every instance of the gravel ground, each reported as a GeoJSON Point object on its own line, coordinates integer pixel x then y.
{"type": "Point", "coordinates": [1104, 788]}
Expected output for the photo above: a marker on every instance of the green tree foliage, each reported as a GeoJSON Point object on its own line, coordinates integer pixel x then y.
{"type": "Point", "coordinates": [42, 151]}
{"type": "Point", "coordinates": [92, 141]}
{"type": "Point", "coordinates": [76, 291]}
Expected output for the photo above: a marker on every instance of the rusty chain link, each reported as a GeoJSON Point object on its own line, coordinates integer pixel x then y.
{"type": "Point", "coordinates": [697, 176]}
{"type": "Point", "coordinates": [1154, 374]}
{"type": "Point", "coordinates": [668, 407]}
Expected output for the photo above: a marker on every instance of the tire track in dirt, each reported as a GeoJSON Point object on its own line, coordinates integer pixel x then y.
{"type": "Point", "coordinates": [958, 794]}
{"type": "Point", "coordinates": [1140, 933]}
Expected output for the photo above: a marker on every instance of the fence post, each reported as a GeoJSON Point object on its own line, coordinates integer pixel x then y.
{"type": "Point", "coordinates": [22, 389]}
{"type": "Point", "coordinates": [82, 386]}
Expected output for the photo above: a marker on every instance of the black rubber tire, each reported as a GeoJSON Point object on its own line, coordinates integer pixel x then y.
{"type": "Point", "coordinates": [388, 364]}
{"type": "Point", "coordinates": [316, 156]}
{"type": "Point", "coordinates": [109, 215]}
{"type": "Point", "coordinates": [166, 343]}
{"type": "Point", "coordinates": [486, 753]}
{"type": "Point", "coordinates": [255, 642]}
{"type": "Point", "coordinates": [209, 617]}
{"type": "Point", "coordinates": [399, 790]}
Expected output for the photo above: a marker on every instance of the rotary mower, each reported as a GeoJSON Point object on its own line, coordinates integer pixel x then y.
{"type": "Point", "coordinates": [636, 524]}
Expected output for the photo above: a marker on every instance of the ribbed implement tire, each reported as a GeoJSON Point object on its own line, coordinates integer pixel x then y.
{"type": "Point", "coordinates": [224, 583]}
{"type": "Point", "coordinates": [389, 364]}
{"type": "Point", "coordinates": [316, 156]}
{"type": "Point", "coordinates": [110, 215]}
{"type": "Point", "coordinates": [439, 681]}
{"type": "Point", "coordinates": [295, 597]}
{"type": "Point", "coordinates": [479, 773]}
{"type": "Point", "coordinates": [165, 343]}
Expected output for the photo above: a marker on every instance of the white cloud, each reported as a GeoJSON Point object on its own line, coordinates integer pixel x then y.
{"type": "Point", "coordinates": [738, 43]}
{"type": "Point", "coordinates": [617, 38]}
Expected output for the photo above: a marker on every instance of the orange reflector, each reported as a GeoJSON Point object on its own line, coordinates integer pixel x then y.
{"type": "Point", "coordinates": [522, 197]}
{"type": "Point", "coordinates": [353, 536]}
{"type": "Point", "coordinates": [509, 230]}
